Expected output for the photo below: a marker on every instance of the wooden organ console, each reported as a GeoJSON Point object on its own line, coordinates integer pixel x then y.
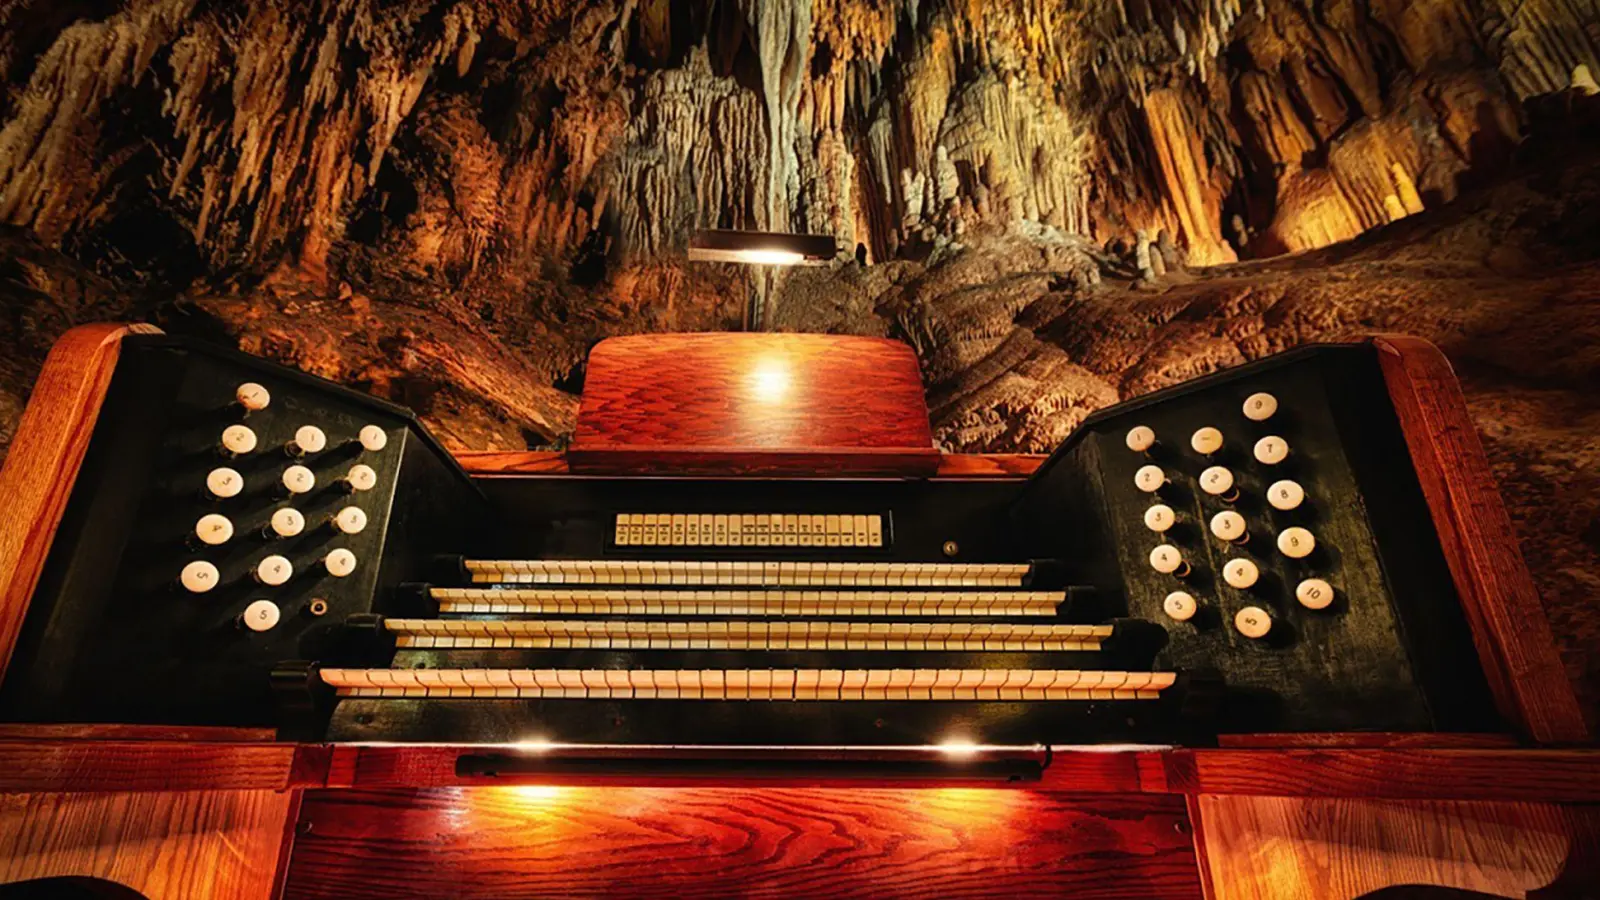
{"type": "Point", "coordinates": [752, 581]}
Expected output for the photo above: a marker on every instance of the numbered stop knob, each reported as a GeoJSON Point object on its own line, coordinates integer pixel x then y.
{"type": "Point", "coordinates": [274, 571]}
{"type": "Point", "coordinates": [307, 439]}
{"type": "Point", "coordinates": [237, 440]}
{"type": "Point", "coordinates": [224, 483]}
{"type": "Point", "coordinates": [1314, 593]}
{"type": "Point", "coordinates": [1206, 441]}
{"type": "Point", "coordinates": [1296, 543]}
{"type": "Point", "coordinates": [1253, 622]}
{"type": "Point", "coordinates": [1286, 495]}
{"type": "Point", "coordinates": [1168, 560]}
{"type": "Point", "coordinates": [285, 523]}
{"type": "Point", "coordinates": [1260, 407]}
{"type": "Point", "coordinates": [1218, 482]}
{"type": "Point", "coordinates": [1141, 438]}
{"type": "Point", "coordinates": [1241, 574]}
{"type": "Point", "coordinates": [1229, 526]}
{"type": "Point", "coordinates": [1271, 450]}
{"type": "Point", "coordinates": [373, 438]}
{"type": "Point", "coordinates": [1159, 518]}
{"type": "Point", "coordinates": [1149, 479]}
{"type": "Point", "coordinates": [350, 520]}
{"type": "Point", "coordinates": [298, 480]}
{"type": "Point", "coordinates": [213, 529]}
{"type": "Point", "coordinates": [262, 615]}
{"type": "Point", "coordinates": [361, 477]}
{"type": "Point", "coordinates": [339, 563]}
{"type": "Point", "coordinates": [199, 576]}
{"type": "Point", "coordinates": [253, 397]}
{"type": "Point", "coordinates": [1180, 606]}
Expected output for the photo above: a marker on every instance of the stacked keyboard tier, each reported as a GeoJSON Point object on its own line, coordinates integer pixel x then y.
{"type": "Point", "coordinates": [672, 652]}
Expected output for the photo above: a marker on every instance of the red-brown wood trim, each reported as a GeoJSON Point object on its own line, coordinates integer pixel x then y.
{"type": "Point", "coordinates": [1535, 776]}
{"type": "Point", "coordinates": [13, 731]}
{"type": "Point", "coordinates": [1197, 832]}
{"type": "Point", "coordinates": [97, 765]}
{"type": "Point", "coordinates": [1498, 596]}
{"type": "Point", "coordinates": [43, 462]}
{"type": "Point", "coordinates": [1366, 739]}
{"type": "Point", "coordinates": [551, 462]}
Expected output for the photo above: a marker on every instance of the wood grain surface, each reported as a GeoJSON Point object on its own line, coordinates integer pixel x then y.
{"type": "Point", "coordinates": [1509, 626]}
{"type": "Point", "coordinates": [175, 846]}
{"type": "Point", "coordinates": [43, 462]}
{"type": "Point", "coordinates": [100, 765]}
{"type": "Point", "coordinates": [749, 404]}
{"type": "Point", "coordinates": [721, 842]}
{"type": "Point", "coordinates": [1565, 776]}
{"type": "Point", "coordinates": [1269, 848]}
{"type": "Point", "coordinates": [551, 462]}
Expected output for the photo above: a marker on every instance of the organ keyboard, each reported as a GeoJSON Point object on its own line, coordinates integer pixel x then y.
{"type": "Point", "coordinates": [1253, 551]}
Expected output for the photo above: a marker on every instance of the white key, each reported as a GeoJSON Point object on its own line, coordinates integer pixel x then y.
{"type": "Point", "coordinates": [224, 482]}
{"type": "Point", "coordinates": [1286, 495]}
{"type": "Point", "coordinates": [252, 396]}
{"type": "Point", "coordinates": [1260, 407]}
{"type": "Point", "coordinates": [1271, 450]}
{"type": "Point", "coordinates": [213, 529]}
{"type": "Point", "coordinates": [1141, 438]}
{"type": "Point", "coordinates": [1252, 622]}
{"type": "Point", "coordinates": [1314, 593]}
{"type": "Point", "coordinates": [1206, 440]}
{"type": "Point", "coordinates": [307, 439]}
{"type": "Point", "coordinates": [339, 563]}
{"type": "Point", "coordinates": [1217, 481]}
{"type": "Point", "coordinates": [1241, 574]}
{"type": "Point", "coordinates": [238, 440]}
{"type": "Point", "coordinates": [1228, 525]}
{"type": "Point", "coordinates": [274, 571]}
{"type": "Point", "coordinates": [299, 479]}
{"type": "Point", "coordinates": [262, 615]}
{"type": "Point", "coordinates": [287, 522]}
{"type": "Point", "coordinates": [1149, 479]}
{"type": "Point", "coordinates": [1296, 542]}
{"type": "Point", "coordinates": [361, 477]}
{"type": "Point", "coordinates": [1160, 517]}
{"type": "Point", "coordinates": [373, 438]}
{"type": "Point", "coordinates": [1166, 559]}
{"type": "Point", "coordinates": [1180, 606]}
{"type": "Point", "coordinates": [350, 520]}
{"type": "Point", "coordinates": [199, 576]}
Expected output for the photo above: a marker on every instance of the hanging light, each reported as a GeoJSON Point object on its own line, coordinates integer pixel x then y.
{"type": "Point", "coordinates": [761, 248]}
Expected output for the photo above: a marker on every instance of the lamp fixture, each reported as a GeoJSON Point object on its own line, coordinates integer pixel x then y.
{"type": "Point", "coordinates": [761, 248]}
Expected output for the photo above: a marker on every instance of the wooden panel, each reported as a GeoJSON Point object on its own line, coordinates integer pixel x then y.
{"type": "Point", "coordinates": [1276, 847]}
{"type": "Point", "coordinates": [1497, 592]}
{"type": "Point", "coordinates": [549, 462]}
{"type": "Point", "coordinates": [216, 845]}
{"type": "Point", "coordinates": [750, 404]}
{"type": "Point", "coordinates": [43, 462]}
{"type": "Point", "coordinates": [1570, 776]}
{"type": "Point", "coordinates": [721, 842]}
{"type": "Point", "coordinates": [95, 765]}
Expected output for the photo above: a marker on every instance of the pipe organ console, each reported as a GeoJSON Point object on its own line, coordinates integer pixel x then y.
{"type": "Point", "coordinates": [742, 552]}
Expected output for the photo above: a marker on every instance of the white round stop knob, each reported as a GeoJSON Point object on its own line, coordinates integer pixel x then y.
{"type": "Point", "coordinates": [307, 439]}
{"type": "Point", "coordinates": [262, 615]}
{"type": "Point", "coordinates": [1296, 542]}
{"type": "Point", "coordinates": [1217, 481]}
{"type": "Point", "coordinates": [1149, 479]}
{"type": "Point", "coordinates": [373, 438]}
{"type": "Point", "coordinates": [286, 522]}
{"type": "Point", "coordinates": [224, 483]}
{"type": "Point", "coordinates": [350, 520]}
{"type": "Point", "coordinates": [199, 576]}
{"type": "Point", "coordinates": [1180, 606]}
{"type": "Point", "coordinates": [1167, 559]}
{"type": "Point", "coordinates": [238, 440]}
{"type": "Point", "coordinates": [1286, 495]}
{"type": "Point", "coordinates": [252, 396]}
{"type": "Point", "coordinates": [299, 480]}
{"type": "Point", "coordinates": [1228, 525]}
{"type": "Point", "coordinates": [1141, 438]}
{"type": "Point", "coordinates": [361, 477]}
{"type": "Point", "coordinates": [1271, 450]}
{"type": "Point", "coordinates": [1206, 441]}
{"type": "Point", "coordinates": [274, 571]}
{"type": "Point", "coordinates": [1314, 593]}
{"type": "Point", "coordinates": [340, 562]}
{"type": "Point", "coordinates": [1241, 574]}
{"type": "Point", "coordinates": [1260, 407]}
{"type": "Point", "coordinates": [1253, 622]}
{"type": "Point", "coordinates": [213, 529]}
{"type": "Point", "coordinates": [1160, 517]}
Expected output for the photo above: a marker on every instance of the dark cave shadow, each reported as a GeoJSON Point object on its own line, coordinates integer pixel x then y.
{"type": "Point", "coordinates": [69, 887]}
